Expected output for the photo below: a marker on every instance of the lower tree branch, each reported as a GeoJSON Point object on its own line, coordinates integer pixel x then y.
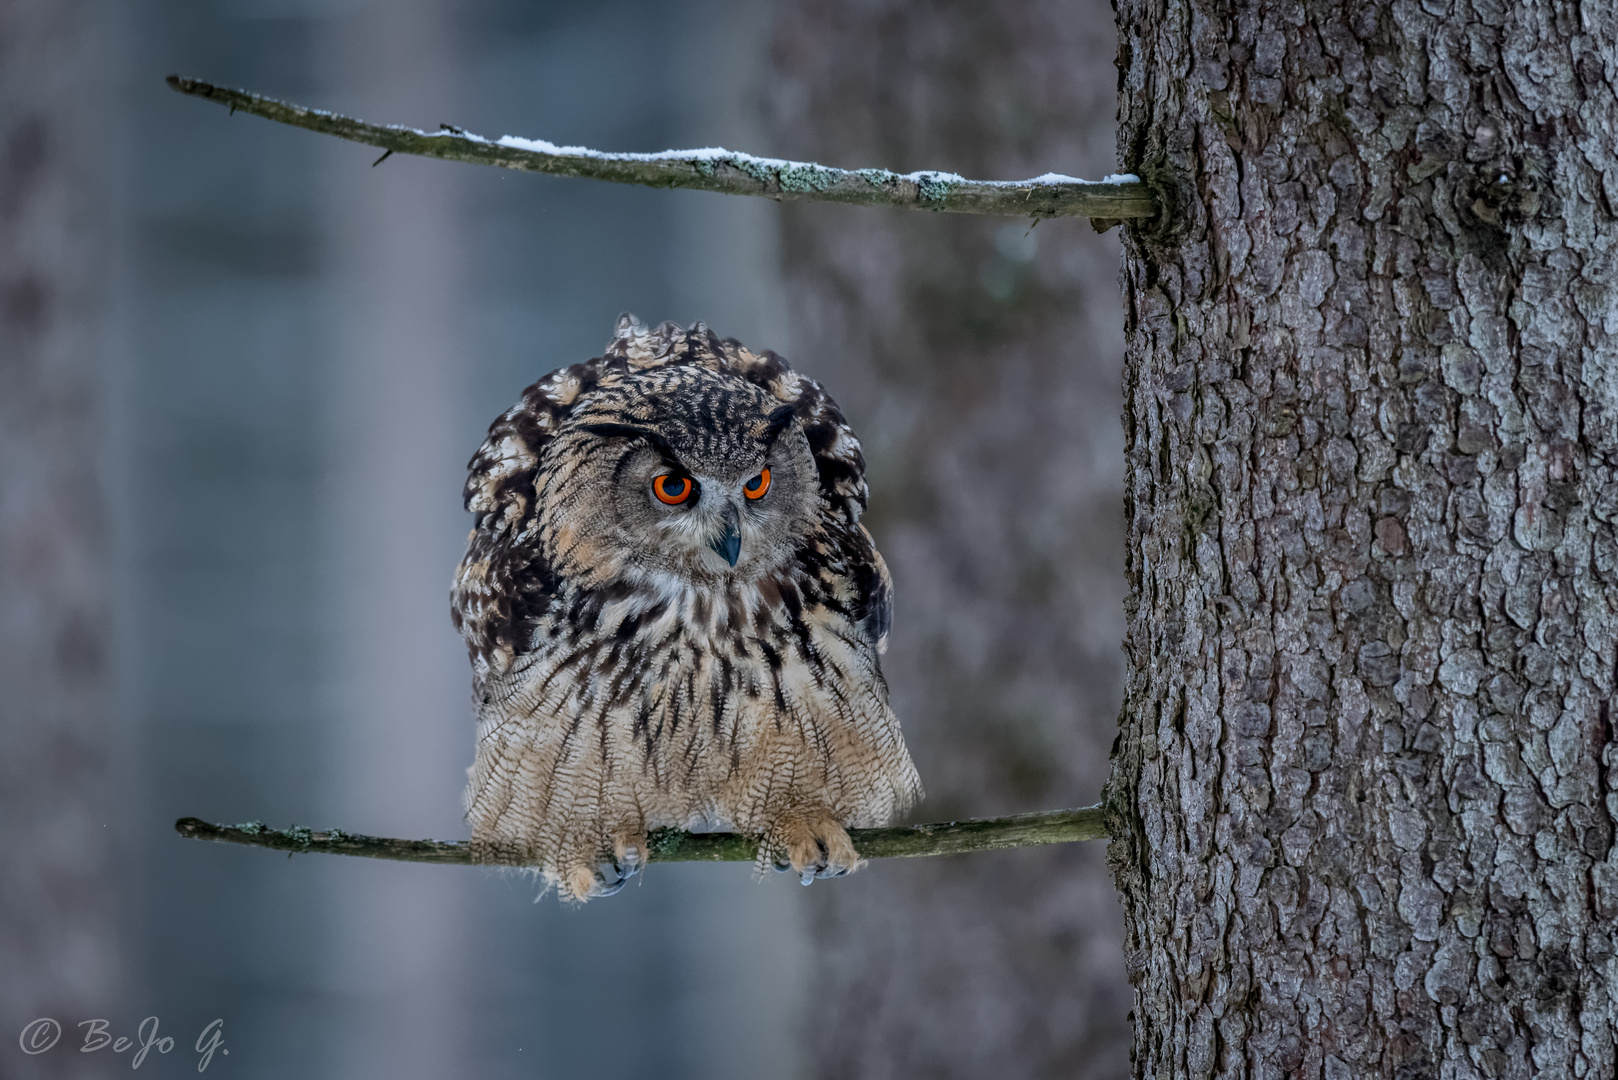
{"type": "Point", "coordinates": [672, 845]}
{"type": "Point", "coordinates": [729, 172]}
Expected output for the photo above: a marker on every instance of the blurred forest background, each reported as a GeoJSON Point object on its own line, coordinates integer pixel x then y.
{"type": "Point", "coordinates": [241, 371]}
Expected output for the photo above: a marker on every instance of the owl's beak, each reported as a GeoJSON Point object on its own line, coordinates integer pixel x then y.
{"type": "Point", "coordinates": [729, 542]}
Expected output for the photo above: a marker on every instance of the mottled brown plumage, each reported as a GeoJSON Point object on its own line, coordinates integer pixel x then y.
{"type": "Point", "coordinates": [640, 664]}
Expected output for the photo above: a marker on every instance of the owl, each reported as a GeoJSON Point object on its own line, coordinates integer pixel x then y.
{"type": "Point", "coordinates": [675, 617]}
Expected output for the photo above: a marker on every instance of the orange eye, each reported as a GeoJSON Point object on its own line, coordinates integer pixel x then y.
{"type": "Point", "coordinates": [672, 489]}
{"type": "Point", "coordinates": [756, 487]}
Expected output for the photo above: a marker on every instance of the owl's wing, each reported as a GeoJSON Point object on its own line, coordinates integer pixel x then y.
{"type": "Point", "coordinates": [503, 584]}
{"type": "Point", "coordinates": [875, 610]}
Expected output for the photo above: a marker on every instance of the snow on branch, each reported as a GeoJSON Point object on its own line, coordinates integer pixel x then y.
{"type": "Point", "coordinates": [713, 169]}
{"type": "Point", "coordinates": [671, 845]}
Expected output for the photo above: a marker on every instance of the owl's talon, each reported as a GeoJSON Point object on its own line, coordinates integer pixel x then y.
{"type": "Point", "coordinates": [629, 851]}
{"type": "Point", "coordinates": [603, 889]}
{"type": "Point", "coordinates": [814, 847]}
{"type": "Point", "coordinates": [606, 885]}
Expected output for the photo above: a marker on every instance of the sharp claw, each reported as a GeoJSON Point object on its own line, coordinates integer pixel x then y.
{"type": "Point", "coordinates": [631, 865]}
{"type": "Point", "coordinates": [778, 852]}
{"type": "Point", "coordinates": [621, 874]}
{"type": "Point", "coordinates": [604, 889]}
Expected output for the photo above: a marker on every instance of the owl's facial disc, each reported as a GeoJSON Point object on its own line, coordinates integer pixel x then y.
{"type": "Point", "coordinates": [701, 511]}
{"type": "Point", "coordinates": [719, 487]}
{"type": "Point", "coordinates": [679, 489]}
{"type": "Point", "coordinates": [738, 513]}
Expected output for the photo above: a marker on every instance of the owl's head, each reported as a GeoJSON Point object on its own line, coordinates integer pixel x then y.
{"type": "Point", "coordinates": [678, 472]}
{"type": "Point", "coordinates": [674, 459]}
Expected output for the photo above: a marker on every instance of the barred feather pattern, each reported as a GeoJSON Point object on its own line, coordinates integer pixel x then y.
{"type": "Point", "coordinates": [627, 679]}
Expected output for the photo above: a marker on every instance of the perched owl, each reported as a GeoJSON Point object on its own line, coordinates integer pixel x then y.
{"type": "Point", "coordinates": [675, 616]}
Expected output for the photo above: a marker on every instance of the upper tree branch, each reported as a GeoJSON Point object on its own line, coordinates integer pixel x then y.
{"type": "Point", "coordinates": [731, 173]}
{"type": "Point", "coordinates": [671, 845]}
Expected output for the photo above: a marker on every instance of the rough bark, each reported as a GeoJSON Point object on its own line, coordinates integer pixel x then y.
{"type": "Point", "coordinates": [1371, 388]}
{"type": "Point", "coordinates": [58, 929]}
{"type": "Point", "coordinates": [979, 361]}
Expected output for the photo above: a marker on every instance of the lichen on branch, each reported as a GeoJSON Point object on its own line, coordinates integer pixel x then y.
{"type": "Point", "coordinates": [672, 845]}
{"type": "Point", "coordinates": [713, 169]}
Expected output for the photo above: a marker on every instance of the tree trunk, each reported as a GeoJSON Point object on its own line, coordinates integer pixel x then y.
{"type": "Point", "coordinates": [1372, 385]}
{"type": "Point", "coordinates": [979, 361]}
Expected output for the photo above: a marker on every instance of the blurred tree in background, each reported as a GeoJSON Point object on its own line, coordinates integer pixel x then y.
{"type": "Point", "coordinates": [58, 916]}
{"type": "Point", "coordinates": [980, 361]}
